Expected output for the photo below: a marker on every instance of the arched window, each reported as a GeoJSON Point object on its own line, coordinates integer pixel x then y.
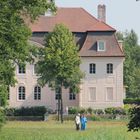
{"type": "Point", "coordinates": [37, 93]}
{"type": "Point", "coordinates": [21, 93]}
{"type": "Point", "coordinates": [109, 68]}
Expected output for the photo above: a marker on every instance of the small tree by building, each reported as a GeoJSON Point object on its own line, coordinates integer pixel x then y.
{"type": "Point", "coordinates": [59, 62]}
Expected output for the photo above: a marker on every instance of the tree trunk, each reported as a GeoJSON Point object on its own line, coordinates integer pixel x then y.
{"type": "Point", "coordinates": [58, 109]}
{"type": "Point", "coordinates": [61, 106]}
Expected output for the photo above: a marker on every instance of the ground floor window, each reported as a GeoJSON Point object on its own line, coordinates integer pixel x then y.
{"type": "Point", "coordinates": [21, 93]}
{"type": "Point", "coordinates": [92, 93]}
{"type": "Point", "coordinates": [109, 94]}
{"type": "Point", "coordinates": [37, 93]}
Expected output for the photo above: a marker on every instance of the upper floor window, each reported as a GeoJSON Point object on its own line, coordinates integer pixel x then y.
{"type": "Point", "coordinates": [21, 69]}
{"type": "Point", "coordinates": [101, 45]}
{"type": "Point", "coordinates": [72, 96]}
{"type": "Point", "coordinates": [92, 94]}
{"type": "Point", "coordinates": [92, 68]}
{"type": "Point", "coordinates": [109, 94]}
{"type": "Point", "coordinates": [21, 93]}
{"type": "Point", "coordinates": [37, 93]}
{"type": "Point", "coordinates": [58, 93]}
{"type": "Point", "coordinates": [109, 68]}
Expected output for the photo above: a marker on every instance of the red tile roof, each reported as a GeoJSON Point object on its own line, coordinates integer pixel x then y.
{"type": "Point", "coordinates": [76, 19]}
{"type": "Point", "coordinates": [112, 48]}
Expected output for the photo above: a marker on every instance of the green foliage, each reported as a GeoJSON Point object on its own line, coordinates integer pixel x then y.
{"type": "Point", "coordinates": [132, 101]}
{"type": "Point", "coordinates": [59, 62]}
{"type": "Point", "coordinates": [2, 117]}
{"type": "Point", "coordinates": [26, 111]}
{"type": "Point", "coordinates": [134, 123]}
{"type": "Point", "coordinates": [131, 64]}
{"type": "Point", "coordinates": [14, 36]}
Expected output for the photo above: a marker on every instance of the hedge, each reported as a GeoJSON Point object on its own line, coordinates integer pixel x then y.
{"type": "Point", "coordinates": [26, 111]}
{"type": "Point", "coordinates": [132, 101]}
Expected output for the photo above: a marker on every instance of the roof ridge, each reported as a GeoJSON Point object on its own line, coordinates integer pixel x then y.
{"type": "Point", "coordinates": [97, 19]}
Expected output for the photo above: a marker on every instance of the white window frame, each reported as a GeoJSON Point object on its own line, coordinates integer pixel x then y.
{"type": "Point", "coordinates": [38, 94]}
{"type": "Point", "coordinates": [18, 93]}
{"type": "Point", "coordinates": [89, 95]}
{"type": "Point", "coordinates": [18, 67]}
{"type": "Point", "coordinates": [93, 69]}
{"type": "Point", "coordinates": [72, 96]}
{"type": "Point", "coordinates": [107, 99]}
{"type": "Point", "coordinates": [98, 47]}
{"type": "Point", "coordinates": [109, 68]}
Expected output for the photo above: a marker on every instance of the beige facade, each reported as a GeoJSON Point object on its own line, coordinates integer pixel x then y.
{"type": "Point", "coordinates": [94, 87]}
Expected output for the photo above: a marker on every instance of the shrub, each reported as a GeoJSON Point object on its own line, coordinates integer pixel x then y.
{"type": "Point", "coordinates": [26, 111]}
{"type": "Point", "coordinates": [119, 111]}
{"type": "Point", "coordinates": [109, 110]}
{"type": "Point", "coordinates": [98, 111]}
{"type": "Point", "coordinates": [2, 117]}
{"type": "Point", "coordinates": [89, 110]}
{"type": "Point", "coordinates": [134, 123]}
{"type": "Point", "coordinates": [73, 110]}
{"type": "Point", "coordinates": [132, 101]}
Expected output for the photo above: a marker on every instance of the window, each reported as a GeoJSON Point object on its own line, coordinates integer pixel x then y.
{"type": "Point", "coordinates": [92, 68]}
{"type": "Point", "coordinates": [21, 69]}
{"type": "Point", "coordinates": [92, 94]}
{"type": "Point", "coordinates": [57, 93]}
{"type": "Point", "coordinates": [109, 95]}
{"type": "Point", "coordinates": [37, 93]}
{"type": "Point", "coordinates": [101, 45]}
{"type": "Point", "coordinates": [72, 96]}
{"type": "Point", "coordinates": [21, 93]}
{"type": "Point", "coordinates": [109, 68]}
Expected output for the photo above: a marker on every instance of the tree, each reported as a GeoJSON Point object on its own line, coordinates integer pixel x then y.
{"type": "Point", "coordinates": [59, 62]}
{"type": "Point", "coordinates": [134, 123]}
{"type": "Point", "coordinates": [14, 36]}
{"type": "Point", "coordinates": [132, 63]}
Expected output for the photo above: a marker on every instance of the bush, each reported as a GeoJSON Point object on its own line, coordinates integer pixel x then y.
{"type": "Point", "coordinates": [2, 117]}
{"type": "Point", "coordinates": [132, 101]}
{"type": "Point", "coordinates": [98, 111]}
{"type": "Point", "coordinates": [73, 110]}
{"type": "Point", "coordinates": [115, 111]}
{"type": "Point", "coordinates": [134, 123]}
{"type": "Point", "coordinates": [89, 110]}
{"type": "Point", "coordinates": [26, 111]}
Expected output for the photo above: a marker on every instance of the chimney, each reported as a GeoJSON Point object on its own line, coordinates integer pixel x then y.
{"type": "Point", "coordinates": [102, 13]}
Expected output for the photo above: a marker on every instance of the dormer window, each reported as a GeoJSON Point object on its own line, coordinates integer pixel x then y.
{"type": "Point", "coordinates": [101, 45]}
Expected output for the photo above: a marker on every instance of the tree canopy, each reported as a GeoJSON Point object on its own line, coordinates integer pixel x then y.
{"type": "Point", "coordinates": [132, 63]}
{"type": "Point", "coordinates": [59, 63]}
{"type": "Point", "coordinates": [14, 36]}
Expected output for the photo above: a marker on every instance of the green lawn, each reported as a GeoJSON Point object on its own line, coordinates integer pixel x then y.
{"type": "Point", "coordinates": [52, 130]}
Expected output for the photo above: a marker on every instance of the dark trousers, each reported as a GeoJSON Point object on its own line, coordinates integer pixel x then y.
{"type": "Point", "coordinates": [77, 126]}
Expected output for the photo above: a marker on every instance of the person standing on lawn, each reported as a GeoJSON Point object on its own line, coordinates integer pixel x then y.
{"type": "Point", "coordinates": [77, 121]}
{"type": "Point", "coordinates": [83, 122]}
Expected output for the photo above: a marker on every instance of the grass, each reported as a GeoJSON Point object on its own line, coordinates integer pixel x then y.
{"type": "Point", "coordinates": [52, 130]}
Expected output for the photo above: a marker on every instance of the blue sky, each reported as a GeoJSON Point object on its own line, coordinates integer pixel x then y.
{"type": "Point", "coordinates": [120, 14]}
